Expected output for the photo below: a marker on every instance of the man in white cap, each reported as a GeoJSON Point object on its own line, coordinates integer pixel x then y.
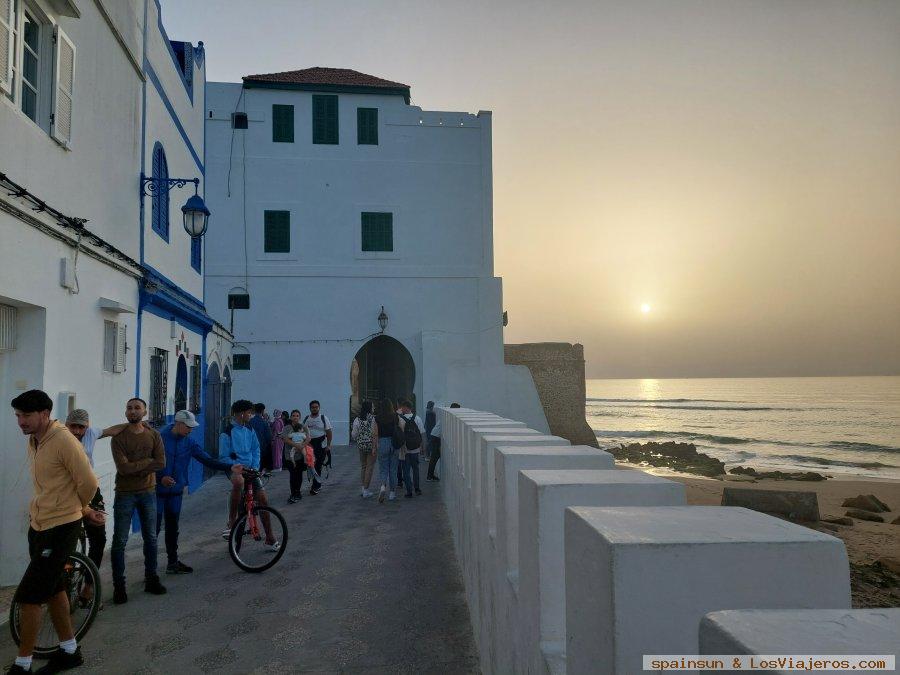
{"type": "Point", "coordinates": [173, 479]}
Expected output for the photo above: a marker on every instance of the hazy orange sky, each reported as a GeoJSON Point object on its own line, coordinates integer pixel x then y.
{"type": "Point", "coordinates": [733, 164]}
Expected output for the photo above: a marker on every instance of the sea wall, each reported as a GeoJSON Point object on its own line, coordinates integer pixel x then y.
{"type": "Point", "coordinates": [557, 369]}
{"type": "Point", "coordinates": [573, 566]}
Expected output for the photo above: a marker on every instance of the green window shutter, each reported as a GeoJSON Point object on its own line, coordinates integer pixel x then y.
{"type": "Point", "coordinates": [282, 123]}
{"type": "Point", "coordinates": [377, 231]}
{"type": "Point", "coordinates": [277, 238]}
{"type": "Point", "coordinates": [367, 126]}
{"type": "Point", "coordinates": [325, 119]}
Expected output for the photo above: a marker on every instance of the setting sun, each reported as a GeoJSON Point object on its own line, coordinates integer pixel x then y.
{"type": "Point", "coordinates": [645, 308]}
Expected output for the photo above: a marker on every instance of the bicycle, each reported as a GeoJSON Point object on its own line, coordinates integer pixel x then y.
{"type": "Point", "coordinates": [247, 540]}
{"type": "Point", "coordinates": [79, 572]}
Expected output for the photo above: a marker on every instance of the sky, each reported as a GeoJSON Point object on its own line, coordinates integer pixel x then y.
{"type": "Point", "coordinates": [732, 164]}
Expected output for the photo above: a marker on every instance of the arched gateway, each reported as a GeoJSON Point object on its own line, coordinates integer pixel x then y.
{"type": "Point", "coordinates": [382, 368]}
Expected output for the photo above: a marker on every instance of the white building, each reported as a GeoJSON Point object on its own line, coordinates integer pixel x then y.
{"type": "Point", "coordinates": [93, 96]}
{"type": "Point", "coordinates": [335, 198]}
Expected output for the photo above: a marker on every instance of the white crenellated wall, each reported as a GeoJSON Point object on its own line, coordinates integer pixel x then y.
{"type": "Point", "coordinates": [583, 568]}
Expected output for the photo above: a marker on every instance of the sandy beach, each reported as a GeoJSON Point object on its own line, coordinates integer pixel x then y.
{"type": "Point", "coordinates": [866, 542]}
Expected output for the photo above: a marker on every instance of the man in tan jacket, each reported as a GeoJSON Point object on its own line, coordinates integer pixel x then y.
{"type": "Point", "coordinates": [63, 487]}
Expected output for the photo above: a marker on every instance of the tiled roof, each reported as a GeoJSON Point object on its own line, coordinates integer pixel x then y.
{"type": "Point", "coordinates": [332, 77]}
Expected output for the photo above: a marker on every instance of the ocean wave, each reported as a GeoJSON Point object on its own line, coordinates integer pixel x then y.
{"type": "Point", "coordinates": [861, 447]}
{"type": "Point", "coordinates": [658, 400]}
{"type": "Point", "coordinates": [724, 440]}
{"type": "Point", "coordinates": [823, 461]}
{"type": "Point", "coordinates": [600, 403]}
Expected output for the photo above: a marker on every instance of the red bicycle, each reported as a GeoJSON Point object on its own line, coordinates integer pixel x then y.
{"type": "Point", "coordinates": [259, 536]}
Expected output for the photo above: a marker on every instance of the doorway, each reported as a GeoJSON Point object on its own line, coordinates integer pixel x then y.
{"type": "Point", "coordinates": [382, 368]}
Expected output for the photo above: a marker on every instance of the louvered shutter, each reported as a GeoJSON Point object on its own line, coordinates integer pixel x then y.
{"type": "Point", "coordinates": [109, 346]}
{"type": "Point", "coordinates": [282, 123]}
{"type": "Point", "coordinates": [120, 348]}
{"type": "Point", "coordinates": [63, 87]}
{"type": "Point", "coordinates": [6, 45]}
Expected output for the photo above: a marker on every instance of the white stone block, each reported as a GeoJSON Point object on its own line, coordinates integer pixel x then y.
{"type": "Point", "coordinates": [544, 496]}
{"type": "Point", "coordinates": [482, 428]}
{"type": "Point", "coordinates": [874, 632]}
{"type": "Point", "coordinates": [639, 580]}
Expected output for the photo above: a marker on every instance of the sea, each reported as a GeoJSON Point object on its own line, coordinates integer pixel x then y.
{"type": "Point", "coordinates": [840, 426]}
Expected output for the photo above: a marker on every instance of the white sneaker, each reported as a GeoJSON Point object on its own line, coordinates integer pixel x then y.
{"type": "Point", "coordinates": [381, 494]}
{"type": "Point", "coordinates": [392, 496]}
{"type": "Point", "coordinates": [366, 493]}
{"type": "Point", "coordinates": [226, 534]}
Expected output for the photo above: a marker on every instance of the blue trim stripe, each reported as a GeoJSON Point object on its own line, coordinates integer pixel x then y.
{"type": "Point", "coordinates": [151, 75]}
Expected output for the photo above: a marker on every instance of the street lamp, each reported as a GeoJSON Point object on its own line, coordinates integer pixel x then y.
{"type": "Point", "coordinates": [383, 319]}
{"type": "Point", "coordinates": [196, 215]}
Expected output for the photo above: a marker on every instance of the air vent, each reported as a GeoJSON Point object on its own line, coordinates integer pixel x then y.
{"type": "Point", "coordinates": [239, 120]}
{"type": "Point", "coordinates": [7, 328]}
{"type": "Point", "coordinates": [238, 301]}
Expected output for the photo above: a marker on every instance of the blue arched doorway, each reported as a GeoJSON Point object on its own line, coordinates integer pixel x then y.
{"type": "Point", "coordinates": [382, 369]}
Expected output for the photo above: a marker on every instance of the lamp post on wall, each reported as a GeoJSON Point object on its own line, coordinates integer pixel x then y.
{"type": "Point", "coordinates": [194, 211]}
{"type": "Point", "coordinates": [382, 320]}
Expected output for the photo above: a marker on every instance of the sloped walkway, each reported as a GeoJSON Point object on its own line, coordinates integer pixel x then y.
{"type": "Point", "coordinates": [362, 588]}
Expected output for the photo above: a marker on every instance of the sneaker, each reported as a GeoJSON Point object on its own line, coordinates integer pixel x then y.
{"type": "Point", "coordinates": [362, 493]}
{"type": "Point", "coordinates": [313, 492]}
{"type": "Point", "coordinates": [16, 668]}
{"type": "Point", "coordinates": [292, 499]}
{"type": "Point", "coordinates": [179, 568]}
{"type": "Point", "coordinates": [120, 597]}
{"type": "Point", "coordinates": [381, 495]}
{"type": "Point", "coordinates": [408, 495]}
{"type": "Point", "coordinates": [61, 660]}
{"type": "Point", "coordinates": [274, 546]}
{"type": "Point", "coordinates": [418, 491]}
{"type": "Point", "coordinates": [368, 493]}
{"type": "Point", "coordinates": [152, 585]}
{"type": "Point", "coordinates": [226, 533]}
{"type": "Point", "coordinates": [392, 496]}
{"type": "Point", "coordinates": [429, 479]}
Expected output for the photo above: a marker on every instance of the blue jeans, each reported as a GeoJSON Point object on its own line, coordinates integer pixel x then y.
{"type": "Point", "coordinates": [387, 463]}
{"type": "Point", "coordinates": [123, 507]}
{"type": "Point", "coordinates": [411, 466]}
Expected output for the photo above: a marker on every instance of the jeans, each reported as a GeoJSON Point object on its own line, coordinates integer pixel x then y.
{"type": "Point", "coordinates": [435, 455]}
{"type": "Point", "coordinates": [123, 507]}
{"type": "Point", "coordinates": [387, 463]}
{"type": "Point", "coordinates": [168, 508]}
{"type": "Point", "coordinates": [411, 466]}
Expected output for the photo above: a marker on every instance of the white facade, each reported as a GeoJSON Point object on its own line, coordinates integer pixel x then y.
{"type": "Point", "coordinates": [82, 326]}
{"type": "Point", "coordinates": [315, 306]}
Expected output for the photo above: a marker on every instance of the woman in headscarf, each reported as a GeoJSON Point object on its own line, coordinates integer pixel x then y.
{"type": "Point", "coordinates": [278, 418]}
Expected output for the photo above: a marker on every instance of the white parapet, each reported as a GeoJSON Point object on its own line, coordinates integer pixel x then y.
{"type": "Point", "coordinates": [544, 496]}
{"type": "Point", "coordinates": [874, 632]}
{"type": "Point", "coordinates": [640, 579]}
{"type": "Point", "coordinates": [476, 429]}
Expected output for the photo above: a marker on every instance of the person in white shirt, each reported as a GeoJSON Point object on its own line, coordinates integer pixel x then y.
{"type": "Point", "coordinates": [412, 446]}
{"type": "Point", "coordinates": [320, 435]}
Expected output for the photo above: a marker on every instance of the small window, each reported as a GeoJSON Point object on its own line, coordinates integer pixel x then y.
{"type": "Point", "coordinates": [377, 231]}
{"type": "Point", "coordinates": [282, 123]}
{"type": "Point", "coordinates": [196, 253]}
{"type": "Point", "coordinates": [238, 301]}
{"type": "Point", "coordinates": [277, 237]}
{"type": "Point", "coordinates": [196, 385]}
{"type": "Point", "coordinates": [325, 119]}
{"type": "Point", "coordinates": [31, 64]}
{"type": "Point", "coordinates": [159, 205]}
{"type": "Point", "coordinates": [367, 126]}
{"type": "Point", "coordinates": [239, 120]}
{"type": "Point", "coordinates": [240, 361]}
{"type": "Point", "coordinates": [159, 380]}
{"type": "Point", "coordinates": [113, 347]}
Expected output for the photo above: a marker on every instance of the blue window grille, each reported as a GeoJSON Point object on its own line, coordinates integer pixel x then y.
{"type": "Point", "coordinates": [160, 199]}
{"type": "Point", "coordinates": [196, 253]}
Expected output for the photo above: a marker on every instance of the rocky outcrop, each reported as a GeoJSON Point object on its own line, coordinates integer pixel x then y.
{"type": "Point", "coordinates": [866, 503]}
{"type": "Point", "coordinates": [859, 514]}
{"type": "Point", "coordinates": [671, 455]}
{"type": "Point", "coordinates": [777, 475]}
{"type": "Point", "coordinates": [788, 503]}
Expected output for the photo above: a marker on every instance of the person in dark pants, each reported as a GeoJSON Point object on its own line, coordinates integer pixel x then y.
{"type": "Point", "coordinates": [430, 421]}
{"type": "Point", "coordinates": [173, 479]}
{"type": "Point", "coordinates": [435, 436]}
{"type": "Point", "coordinates": [319, 438]}
{"type": "Point", "coordinates": [295, 437]}
{"type": "Point", "coordinates": [263, 430]}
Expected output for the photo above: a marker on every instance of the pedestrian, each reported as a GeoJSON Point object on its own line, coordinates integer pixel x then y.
{"type": "Point", "coordinates": [239, 443]}
{"type": "Point", "coordinates": [78, 423]}
{"type": "Point", "coordinates": [365, 433]}
{"type": "Point", "coordinates": [260, 424]}
{"type": "Point", "coordinates": [294, 439]}
{"type": "Point", "coordinates": [411, 427]}
{"type": "Point", "coordinates": [435, 452]}
{"type": "Point", "coordinates": [430, 421]}
{"type": "Point", "coordinates": [171, 481]}
{"type": "Point", "coordinates": [138, 452]}
{"type": "Point", "coordinates": [277, 427]}
{"type": "Point", "coordinates": [64, 485]}
{"type": "Point", "coordinates": [320, 438]}
{"type": "Point", "coordinates": [386, 421]}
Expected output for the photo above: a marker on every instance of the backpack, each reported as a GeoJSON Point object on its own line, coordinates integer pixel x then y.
{"type": "Point", "coordinates": [364, 434]}
{"type": "Point", "coordinates": [412, 436]}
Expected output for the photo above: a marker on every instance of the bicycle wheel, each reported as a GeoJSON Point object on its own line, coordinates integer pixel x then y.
{"type": "Point", "coordinates": [247, 540]}
{"type": "Point", "coordinates": [80, 573]}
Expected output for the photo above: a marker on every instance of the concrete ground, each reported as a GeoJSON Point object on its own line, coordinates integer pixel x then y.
{"type": "Point", "coordinates": [362, 588]}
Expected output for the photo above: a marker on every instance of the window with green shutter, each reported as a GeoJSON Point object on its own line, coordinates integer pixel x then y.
{"type": "Point", "coordinates": [282, 123]}
{"type": "Point", "coordinates": [377, 231]}
{"type": "Point", "coordinates": [277, 238]}
{"type": "Point", "coordinates": [367, 126]}
{"type": "Point", "coordinates": [325, 119]}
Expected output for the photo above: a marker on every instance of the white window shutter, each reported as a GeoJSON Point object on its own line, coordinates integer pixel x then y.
{"type": "Point", "coordinates": [120, 349]}
{"type": "Point", "coordinates": [63, 87]}
{"type": "Point", "coordinates": [6, 45]}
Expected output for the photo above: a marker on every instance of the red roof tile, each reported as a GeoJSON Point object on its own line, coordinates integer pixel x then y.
{"type": "Point", "coordinates": [336, 77]}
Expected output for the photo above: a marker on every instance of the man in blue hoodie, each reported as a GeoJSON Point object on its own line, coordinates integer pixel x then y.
{"type": "Point", "coordinates": [173, 479]}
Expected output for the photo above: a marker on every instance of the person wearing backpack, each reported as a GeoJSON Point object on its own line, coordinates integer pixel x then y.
{"type": "Point", "coordinates": [365, 434]}
{"type": "Point", "coordinates": [320, 433]}
{"type": "Point", "coordinates": [411, 427]}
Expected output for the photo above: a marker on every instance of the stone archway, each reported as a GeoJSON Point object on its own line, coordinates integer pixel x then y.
{"type": "Point", "coordinates": [382, 368]}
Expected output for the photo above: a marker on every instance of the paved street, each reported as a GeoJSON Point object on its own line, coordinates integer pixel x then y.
{"type": "Point", "coordinates": [362, 588]}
